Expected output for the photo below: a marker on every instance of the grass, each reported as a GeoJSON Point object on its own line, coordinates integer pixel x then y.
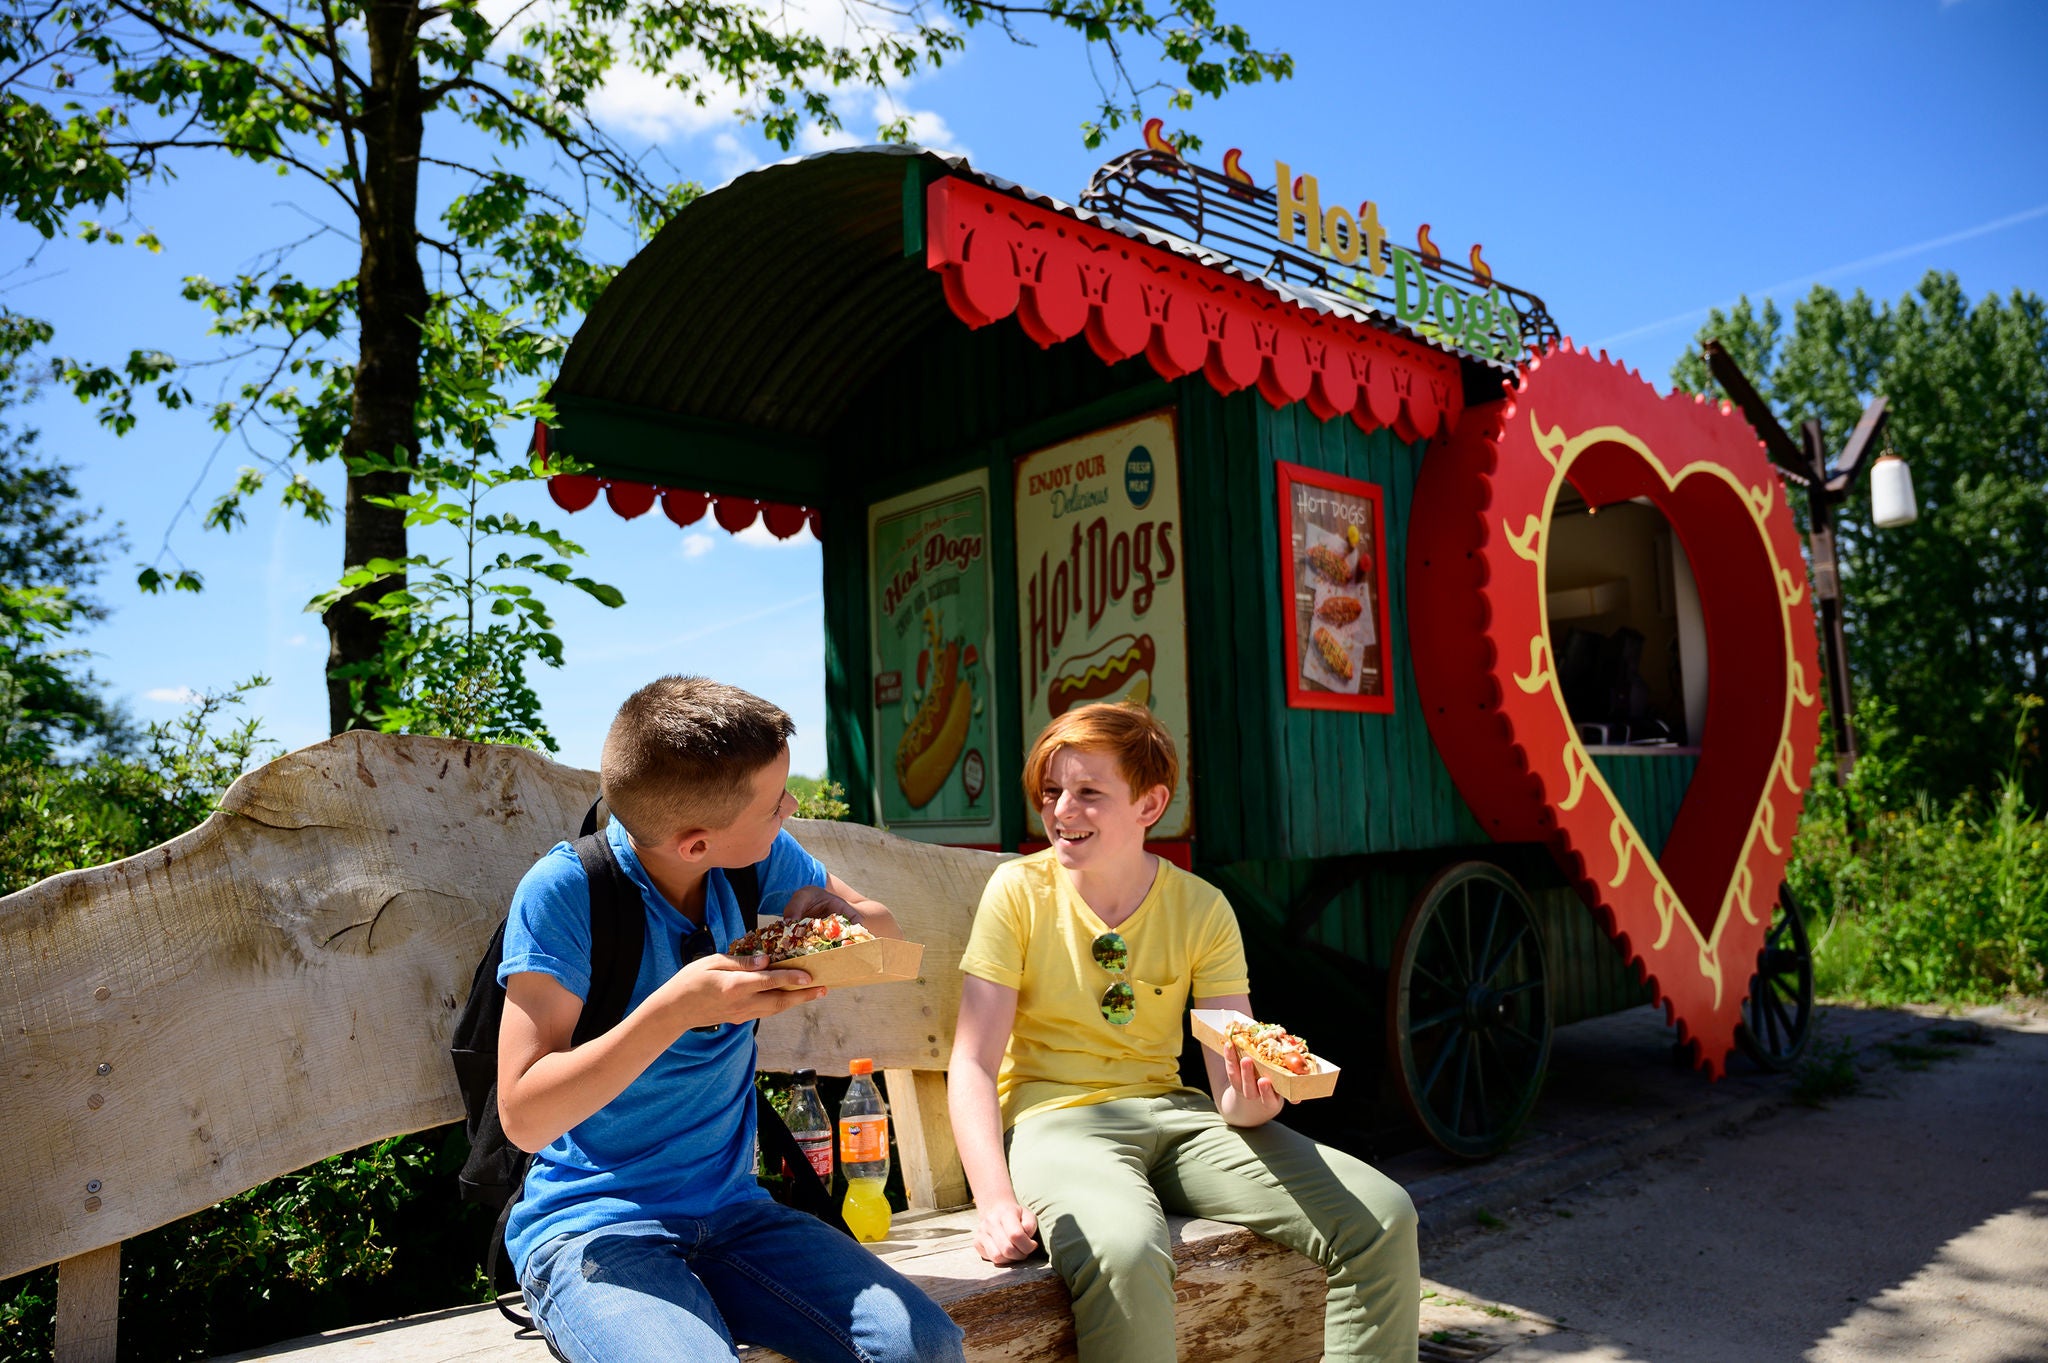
{"type": "Point", "coordinates": [1489, 1220]}
{"type": "Point", "coordinates": [1828, 1072]}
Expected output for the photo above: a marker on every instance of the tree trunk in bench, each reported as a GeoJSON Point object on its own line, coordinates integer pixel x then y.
{"type": "Point", "coordinates": [88, 1306]}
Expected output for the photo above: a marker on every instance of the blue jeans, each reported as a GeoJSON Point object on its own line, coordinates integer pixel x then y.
{"type": "Point", "coordinates": [758, 1272]}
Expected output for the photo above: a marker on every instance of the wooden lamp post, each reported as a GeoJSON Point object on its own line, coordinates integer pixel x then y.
{"type": "Point", "coordinates": [1805, 462]}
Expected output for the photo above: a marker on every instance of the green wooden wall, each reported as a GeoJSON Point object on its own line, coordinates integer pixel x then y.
{"type": "Point", "coordinates": [1273, 782]}
{"type": "Point", "coordinates": [1650, 785]}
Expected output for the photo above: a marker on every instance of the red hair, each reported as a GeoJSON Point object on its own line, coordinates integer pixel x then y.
{"type": "Point", "coordinates": [1130, 733]}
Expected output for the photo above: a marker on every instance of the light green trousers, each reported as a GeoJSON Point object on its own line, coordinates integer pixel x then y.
{"type": "Point", "coordinates": [1101, 1179]}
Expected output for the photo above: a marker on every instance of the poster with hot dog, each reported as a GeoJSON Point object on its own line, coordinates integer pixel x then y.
{"type": "Point", "coordinates": [1100, 610]}
{"type": "Point", "coordinates": [930, 623]}
{"type": "Point", "coordinates": [1334, 577]}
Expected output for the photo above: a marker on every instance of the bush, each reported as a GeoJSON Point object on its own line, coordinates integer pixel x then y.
{"type": "Point", "coordinates": [1916, 904]}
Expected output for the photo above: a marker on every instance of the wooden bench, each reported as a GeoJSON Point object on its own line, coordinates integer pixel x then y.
{"type": "Point", "coordinates": [278, 985]}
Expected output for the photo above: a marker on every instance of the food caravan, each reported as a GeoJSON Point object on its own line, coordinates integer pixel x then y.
{"type": "Point", "coordinates": [1426, 594]}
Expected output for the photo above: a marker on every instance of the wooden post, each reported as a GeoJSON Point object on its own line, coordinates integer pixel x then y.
{"type": "Point", "coordinates": [932, 1176]}
{"type": "Point", "coordinates": [88, 1305]}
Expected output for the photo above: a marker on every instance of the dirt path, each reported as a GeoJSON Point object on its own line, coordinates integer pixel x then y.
{"type": "Point", "coordinates": [1906, 1221]}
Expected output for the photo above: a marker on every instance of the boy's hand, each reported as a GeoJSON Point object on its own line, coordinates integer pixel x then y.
{"type": "Point", "coordinates": [731, 989]}
{"type": "Point", "coordinates": [1251, 1099]}
{"type": "Point", "coordinates": [836, 896]}
{"type": "Point", "coordinates": [1004, 1233]}
{"type": "Point", "coordinates": [815, 901]}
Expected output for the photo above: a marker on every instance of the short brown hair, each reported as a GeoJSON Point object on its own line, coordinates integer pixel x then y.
{"type": "Point", "coordinates": [682, 753]}
{"type": "Point", "coordinates": [1126, 730]}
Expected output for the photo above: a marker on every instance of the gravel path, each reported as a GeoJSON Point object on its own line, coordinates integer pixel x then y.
{"type": "Point", "coordinates": [1908, 1220]}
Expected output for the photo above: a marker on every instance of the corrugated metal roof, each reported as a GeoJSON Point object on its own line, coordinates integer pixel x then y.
{"type": "Point", "coordinates": [774, 299]}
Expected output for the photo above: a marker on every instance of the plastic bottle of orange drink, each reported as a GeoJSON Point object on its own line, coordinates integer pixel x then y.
{"type": "Point", "coordinates": [864, 1155]}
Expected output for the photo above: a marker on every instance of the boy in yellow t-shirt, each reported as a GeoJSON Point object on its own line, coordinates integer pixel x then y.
{"type": "Point", "coordinates": [1079, 970]}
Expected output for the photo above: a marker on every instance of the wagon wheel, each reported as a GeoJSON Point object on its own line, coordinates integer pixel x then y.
{"type": "Point", "coordinates": [1468, 1009]}
{"type": "Point", "coordinates": [1777, 1017]}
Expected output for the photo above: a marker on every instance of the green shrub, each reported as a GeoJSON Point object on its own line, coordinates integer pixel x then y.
{"type": "Point", "coordinates": [1911, 903]}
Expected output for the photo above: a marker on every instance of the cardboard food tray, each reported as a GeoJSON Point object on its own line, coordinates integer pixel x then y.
{"type": "Point", "coordinates": [882, 961]}
{"type": "Point", "coordinates": [1320, 1082]}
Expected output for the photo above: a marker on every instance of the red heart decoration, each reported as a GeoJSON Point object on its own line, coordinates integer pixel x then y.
{"type": "Point", "coordinates": [1693, 920]}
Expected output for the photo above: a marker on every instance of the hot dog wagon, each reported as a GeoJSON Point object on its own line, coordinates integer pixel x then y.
{"type": "Point", "coordinates": [1427, 595]}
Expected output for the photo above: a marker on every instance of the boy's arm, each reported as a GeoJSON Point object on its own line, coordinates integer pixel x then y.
{"type": "Point", "coordinates": [1005, 1231]}
{"type": "Point", "coordinates": [546, 1086]}
{"type": "Point", "coordinates": [1244, 1095]}
{"type": "Point", "coordinates": [836, 896]}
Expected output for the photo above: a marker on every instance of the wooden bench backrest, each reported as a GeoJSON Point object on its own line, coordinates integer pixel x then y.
{"type": "Point", "coordinates": [278, 985]}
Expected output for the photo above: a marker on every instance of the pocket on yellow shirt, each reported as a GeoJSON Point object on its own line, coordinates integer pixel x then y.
{"type": "Point", "coordinates": [1157, 1023]}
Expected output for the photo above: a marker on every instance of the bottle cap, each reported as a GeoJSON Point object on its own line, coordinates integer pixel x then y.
{"type": "Point", "coordinates": [861, 1067]}
{"type": "Point", "coordinates": [806, 1076]}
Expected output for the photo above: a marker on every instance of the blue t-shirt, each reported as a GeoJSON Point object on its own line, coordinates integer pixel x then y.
{"type": "Point", "coordinates": [680, 1140]}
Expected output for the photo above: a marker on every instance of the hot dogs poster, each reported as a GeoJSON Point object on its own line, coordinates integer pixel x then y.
{"type": "Point", "coordinates": [1333, 574]}
{"type": "Point", "coordinates": [1100, 611]}
{"type": "Point", "coordinates": [931, 642]}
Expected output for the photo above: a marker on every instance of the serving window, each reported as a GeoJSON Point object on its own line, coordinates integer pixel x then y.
{"type": "Point", "coordinates": [1625, 626]}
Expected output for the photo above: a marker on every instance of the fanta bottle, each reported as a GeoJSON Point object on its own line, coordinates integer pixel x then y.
{"type": "Point", "coordinates": [864, 1155]}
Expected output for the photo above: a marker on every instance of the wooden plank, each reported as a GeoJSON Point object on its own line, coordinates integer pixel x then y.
{"type": "Point", "coordinates": [933, 1179]}
{"type": "Point", "coordinates": [279, 984]}
{"type": "Point", "coordinates": [1205, 526]}
{"type": "Point", "coordinates": [1239, 1299]}
{"type": "Point", "coordinates": [88, 1306]}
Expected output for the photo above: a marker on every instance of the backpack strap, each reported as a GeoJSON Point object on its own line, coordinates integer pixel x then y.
{"type": "Point", "coordinates": [618, 937]}
{"type": "Point", "coordinates": [746, 888]}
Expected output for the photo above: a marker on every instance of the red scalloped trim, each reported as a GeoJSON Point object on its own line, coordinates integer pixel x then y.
{"type": "Point", "coordinates": [1063, 278]}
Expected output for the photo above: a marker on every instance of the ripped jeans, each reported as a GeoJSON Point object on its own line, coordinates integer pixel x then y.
{"type": "Point", "coordinates": [757, 1273]}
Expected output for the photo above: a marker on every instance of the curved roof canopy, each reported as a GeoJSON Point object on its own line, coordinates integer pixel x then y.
{"type": "Point", "coordinates": [754, 320]}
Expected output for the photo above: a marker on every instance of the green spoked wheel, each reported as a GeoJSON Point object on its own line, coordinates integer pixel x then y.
{"type": "Point", "coordinates": [1468, 1009]}
{"type": "Point", "coordinates": [1777, 1017]}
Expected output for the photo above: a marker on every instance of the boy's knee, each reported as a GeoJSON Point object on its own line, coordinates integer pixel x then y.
{"type": "Point", "coordinates": [1390, 1225]}
{"type": "Point", "coordinates": [933, 1336]}
{"type": "Point", "coordinates": [1110, 1253]}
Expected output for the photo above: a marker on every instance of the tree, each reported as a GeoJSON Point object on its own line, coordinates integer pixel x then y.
{"type": "Point", "coordinates": [103, 96]}
{"type": "Point", "coordinates": [1947, 618]}
{"type": "Point", "coordinates": [49, 558]}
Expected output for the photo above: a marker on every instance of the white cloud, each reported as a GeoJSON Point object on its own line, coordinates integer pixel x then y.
{"type": "Point", "coordinates": [644, 105]}
{"type": "Point", "coordinates": [732, 157]}
{"type": "Point", "coordinates": [171, 695]}
{"type": "Point", "coordinates": [759, 536]}
{"type": "Point", "coordinates": [812, 138]}
{"type": "Point", "coordinates": [696, 544]}
{"type": "Point", "coordinates": [296, 641]}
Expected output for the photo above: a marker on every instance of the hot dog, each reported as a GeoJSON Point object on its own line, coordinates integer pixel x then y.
{"type": "Point", "coordinates": [931, 745]}
{"type": "Point", "coordinates": [1120, 670]}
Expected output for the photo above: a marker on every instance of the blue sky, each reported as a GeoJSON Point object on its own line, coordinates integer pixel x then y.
{"type": "Point", "coordinates": [1634, 164]}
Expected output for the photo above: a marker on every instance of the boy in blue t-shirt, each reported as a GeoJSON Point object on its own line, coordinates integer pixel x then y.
{"type": "Point", "coordinates": [642, 1233]}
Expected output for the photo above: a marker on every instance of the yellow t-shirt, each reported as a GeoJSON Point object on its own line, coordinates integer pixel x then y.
{"type": "Point", "coordinates": [1033, 933]}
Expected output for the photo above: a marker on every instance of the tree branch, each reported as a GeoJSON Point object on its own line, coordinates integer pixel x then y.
{"type": "Point", "coordinates": [300, 96]}
{"type": "Point", "coordinates": [253, 152]}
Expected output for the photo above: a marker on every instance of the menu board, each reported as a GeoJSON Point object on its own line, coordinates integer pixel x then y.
{"type": "Point", "coordinates": [1100, 613]}
{"type": "Point", "coordinates": [1333, 578]}
{"type": "Point", "coordinates": [930, 636]}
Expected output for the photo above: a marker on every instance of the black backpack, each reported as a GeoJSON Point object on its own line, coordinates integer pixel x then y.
{"type": "Point", "coordinates": [494, 1174]}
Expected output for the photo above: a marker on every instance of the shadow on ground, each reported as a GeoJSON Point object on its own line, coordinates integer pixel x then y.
{"type": "Point", "coordinates": [1907, 1220]}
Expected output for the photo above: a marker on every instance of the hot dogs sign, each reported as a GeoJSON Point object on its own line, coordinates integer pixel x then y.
{"type": "Point", "coordinates": [931, 642]}
{"type": "Point", "coordinates": [1100, 611]}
